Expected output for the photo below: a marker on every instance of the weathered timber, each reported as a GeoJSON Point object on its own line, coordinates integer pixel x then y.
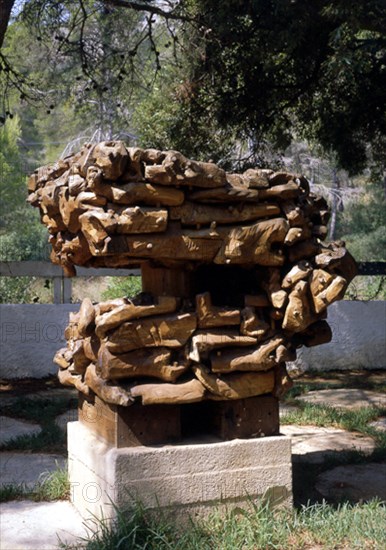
{"type": "Point", "coordinates": [171, 331]}
{"type": "Point", "coordinates": [253, 244]}
{"type": "Point", "coordinates": [80, 360]}
{"type": "Point", "coordinates": [298, 314]}
{"type": "Point", "coordinates": [135, 192]}
{"type": "Point", "coordinates": [91, 346]}
{"type": "Point", "coordinates": [283, 354]}
{"type": "Point", "coordinates": [203, 342]}
{"type": "Point", "coordinates": [241, 418]}
{"type": "Point", "coordinates": [283, 382]}
{"type": "Point", "coordinates": [68, 379]}
{"type": "Point", "coordinates": [194, 214]}
{"type": "Point", "coordinates": [130, 311]}
{"type": "Point", "coordinates": [337, 260]}
{"type": "Point", "coordinates": [76, 184]}
{"type": "Point", "coordinates": [130, 426]}
{"type": "Point", "coordinates": [110, 156]}
{"type": "Point", "coordinates": [272, 285]}
{"type": "Point", "coordinates": [174, 394]}
{"type": "Point", "coordinates": [63, 358]}
{"type": "Point", "coordinates": [174, 245]}
{"type": "Point", "coordinates": [326, 289]}
{"type": "Point", "coordinates": [226, 194]}
{"type": "Point", "coordinates": [86, 321]}
{"type": "Point", "coordinates": [213, 316]}
{"type": "Point", "coordinates": [54, 224]}
{"type": "Point", "coordinates": [109, 305]}
{"type": "Point", "coordinates": [252, 325]}
{"type": "Point", "coordinates": [255, 178]}
{"type": "Point", "coordinates": [294, 213]}
{"type": "Point", "coordinates": [296, 234]}
{"type": "Point", "coordinates": [303, 250]}
{"type": "Point", "coordinates": [235, 386]}
{"type": "Point", "coordinates": [160, 281]}
{"type": "Point", "coordinates": [86, 200]}
{"type": "Point", "coordinates": [70, 211]}
{"type": "Point", "coordinates": [109, 393]}
{"type": "Point", "coordinates": [178, 170]}
{"type": "Point", "coordinates": [297, 273]}
{"type": "Point", "coordinates": [282, 192]}
{"type": "Point", "coordinates": [260, 358]}
{"type": "Point", "coordinates": [256, 300]}
{"type": "Point", "coordinates": [71, 332]}
{"type": "Point", "coordinates": [142, 362]}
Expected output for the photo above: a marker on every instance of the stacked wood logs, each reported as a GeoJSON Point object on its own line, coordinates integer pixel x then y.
{"type": "Point", "coordinates": [110, 205]}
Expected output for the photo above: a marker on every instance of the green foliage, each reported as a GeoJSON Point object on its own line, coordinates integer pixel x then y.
{"type": "Point", "coordinates": [259, 526]}
{"type": "Point", "coordinates": [363, 225]}
{"type": "Point", "coordinates": [13, 191]}
{"type": "Point", "coordinates": [366, 287]}
{"type": "Point", "coordinates": [274, 70]}
{"type": "Point", "coordinates": [15, 290]}
{"type": "Point", "coordinates": [122, 286]}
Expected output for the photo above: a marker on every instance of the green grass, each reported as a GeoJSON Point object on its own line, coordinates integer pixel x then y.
{"type": "Point", "coordinates": [50, 486]}
{"type": "Point", "coordinates": [347, 526]}
{"type": "Point", "coordinates": [351, 420]}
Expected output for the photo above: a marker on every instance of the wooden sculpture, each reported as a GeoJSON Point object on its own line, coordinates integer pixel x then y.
{"type": "Point", "coordinates": [235, 274]}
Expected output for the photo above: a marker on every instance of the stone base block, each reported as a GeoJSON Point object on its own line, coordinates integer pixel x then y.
{"type": "Point", "coordinates": [189, 478]}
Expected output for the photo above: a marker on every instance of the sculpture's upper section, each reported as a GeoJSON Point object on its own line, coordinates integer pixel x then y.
{"type": "Point", "coordinates": [109, 205]}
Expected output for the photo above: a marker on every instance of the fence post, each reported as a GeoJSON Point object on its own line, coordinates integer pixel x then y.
{"type": "Point", "coordinates": [57, 290]}
{"type": "Point", "coordinates": [67, 290]}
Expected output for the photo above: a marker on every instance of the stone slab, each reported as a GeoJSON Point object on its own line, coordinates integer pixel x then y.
{"type": "Point", "coordinates": [355, 483]}
{"type": "Point", "coordinates": [10, 428]}
{"type": "Point", "coordinates": [188, 479]}
{"type": "Point", "coordinates": [379, 424]}
{"type": "Point", "coordinates": [345, 398]}
{"type": "Point", "coordinates": [314, 444]}
{"type": "Point", "coordinates": [27, 469]}
{"type": "Point", "coordinates": [27, 525]}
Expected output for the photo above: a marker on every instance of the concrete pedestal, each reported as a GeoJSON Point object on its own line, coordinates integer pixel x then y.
{"type": "Point", "coordinates": [188, 478]}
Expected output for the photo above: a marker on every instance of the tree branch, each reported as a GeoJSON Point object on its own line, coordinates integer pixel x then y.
{"type": "Point", "coordinates": [155, 10]}
{"type": "Point", "coordinates": [5, 14]}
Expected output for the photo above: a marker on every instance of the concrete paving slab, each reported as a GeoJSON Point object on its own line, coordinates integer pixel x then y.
{"type": "Point", "coordinates": [379, 424]}
{"type": "Point", "coordinates": [355, 483]}
{"type": "Point", "coordinates": [27, 468]}
{"type": "Point", "coordinates": [10, 428]}
{"type": "Point", "coordinates": [347, 398]}
{"type": "Point", "coordinates": [314, 444]}
{"type": "Point", "coordinates": [27, 525]}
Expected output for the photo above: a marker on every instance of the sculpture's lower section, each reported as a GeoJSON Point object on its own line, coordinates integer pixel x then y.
{"type": "Point", "coordinates": [168, 424]}
{"type": "Point", "coordinates": [187, 479]}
